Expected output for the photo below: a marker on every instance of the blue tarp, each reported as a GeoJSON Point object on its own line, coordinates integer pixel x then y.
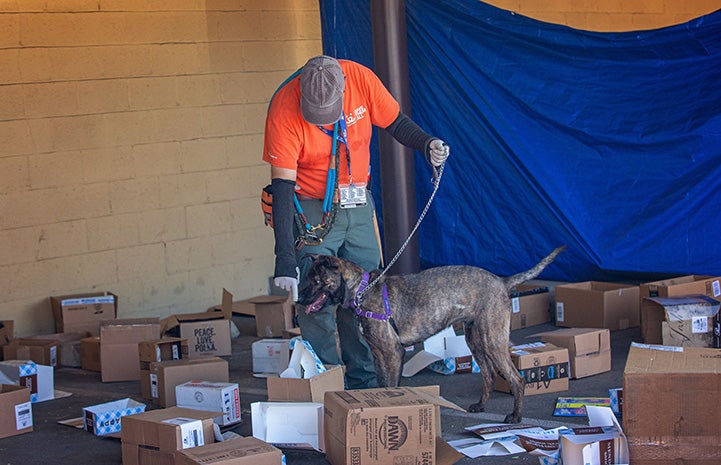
{"type": "Point", "coordinates": [607, 142]}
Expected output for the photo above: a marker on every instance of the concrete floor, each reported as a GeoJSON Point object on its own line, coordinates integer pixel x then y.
{"type": "Point", "coordinates": [51, 442]}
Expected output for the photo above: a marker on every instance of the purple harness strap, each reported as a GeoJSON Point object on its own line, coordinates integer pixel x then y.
{"type": "Point", "coordinates": [356, 305]}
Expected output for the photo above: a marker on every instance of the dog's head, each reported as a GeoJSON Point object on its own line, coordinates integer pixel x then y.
{"type": "Point", "coordinates": [324, 284]}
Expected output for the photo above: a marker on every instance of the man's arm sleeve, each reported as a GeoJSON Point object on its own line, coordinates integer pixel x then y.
{"type": "Point", "coordinates": [283, 212]}
{"type": "Point", "coordinates": [408, 133]}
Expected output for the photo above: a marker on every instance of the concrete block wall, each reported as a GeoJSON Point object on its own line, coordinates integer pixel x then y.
{"type": "Point", "coordinates": [131, 134]}
{"type": "Point", "coordinates": [611, 15]}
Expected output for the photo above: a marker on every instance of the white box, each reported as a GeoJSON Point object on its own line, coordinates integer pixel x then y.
{"type": "Point", "coordinates": [443, 353]}
{"type": "Point", "coordinates": [39, 378]}
{"type": "Point", "coordinates": [270, 355]}
{"type": "Point", "coordinates": [293, 425]}
{"type": "Point", "coordinates": [212, 397]}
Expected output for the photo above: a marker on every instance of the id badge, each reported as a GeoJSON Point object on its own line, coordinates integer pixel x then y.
{"type": "Point", "coordinates": [352, 195]}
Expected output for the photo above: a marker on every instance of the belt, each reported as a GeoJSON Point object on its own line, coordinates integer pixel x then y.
{"type": "Point", "coordinates": [305, 197]}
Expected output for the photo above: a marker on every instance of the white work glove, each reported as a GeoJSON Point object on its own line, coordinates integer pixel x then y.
{"type": "Point", "coordinates": [438, 151]}
{"type": "Point", "coordinates": [289, 284]}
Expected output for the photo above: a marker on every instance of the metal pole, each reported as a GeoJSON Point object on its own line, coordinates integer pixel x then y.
{"type": "Point", "coordinates": [390, 52]}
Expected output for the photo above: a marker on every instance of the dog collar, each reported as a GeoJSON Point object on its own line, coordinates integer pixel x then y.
{"type": "Point", "coordinates": [356, 302]}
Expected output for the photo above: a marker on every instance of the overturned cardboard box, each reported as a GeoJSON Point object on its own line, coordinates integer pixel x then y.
{"type": "Point", "coordinates": [589, 349]}
{"type": "Point", "coordinates": [119, 353]}
{"type": "Point", "coordinates": [543, 367]}
{"type": "Point", "coordinates": [671, 406]}
{"type": "Point", "coordinates": [594, 304]}
{"type": "Point", "coordinates": [158, 382]}
{"type": "Point", "coordinates": [387, 426]}
{"type": "Point", "coordinates": [680, 321]}
{"type": "Point", "coordinates": [531, 306]}
{"type": "Point", "coordinates": [208, 333]}
{"type": "Point", "coordinates": [83, 312]}
{"type": "Point", "coordinates": [16, 411]}
{"type": "Point", "coordinates": [153, 437]}
{"type": "Point", "coordinates": [238, 451]}
{"type": "Point", "coordinates": [40, 351]}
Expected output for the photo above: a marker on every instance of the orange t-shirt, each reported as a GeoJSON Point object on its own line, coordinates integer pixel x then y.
{"type": "Point", "coordinates": [293, 143]}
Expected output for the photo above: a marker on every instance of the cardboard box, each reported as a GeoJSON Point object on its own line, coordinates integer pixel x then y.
{"type": "Point", "coordinates": [158, 383]}
{"type": "Point", "coordinates": [16, 411]}
{"type": "Point", "coordinates": [160, 350]}
{"type": "Point", "coordinates": [273, 314]}
{"type": "Point", "coordinates": [119, 339]}
{"type": "Point", "coordinates": [211, 397]}
{"type": "Point", "coordinates": [90, 353]}
{"type": "Point", "coordinates": [671, 406]}
{"type": "Point", "coordinates": [680, 320]}
{"type": "Point", "coordinates": [291, 333]}
{"type": "Point", "coordinates": [69, 355]}
{"type": "Point", "coordinates": [443, 353]}
{"type": "Point", "coordinates": [386, 426]}
{"type": "Point", "coordinates": [40, 351]}
{"type": "Point", "coordinates": [543, 367]}
{"type": "Point", "coordinates": [208, 334]}
{"type": "Point", "coordinates": [292, 425]}
{"type": "Point", "coordinates": [239, 451]}
{"type": "Point", "coordinates": [531, 306]}
{"type": "Point", "coordinates": [306, 389]}
{"type": "Point", "coordinates": [589, 350]}
{"type": "Point", "coordinates": [6, 334]}
{"type": "Point", "coordinates": [270, 355]}
{"type": "Point", "coordinates": [83, 312]}
{"type": "Point", "coordinates": [601, 443]}
{"type": "Point", "coordinates": [153, 437]}
{"type": "Point", "coordinates": [594, 304]}
{"type": "Point", "coordinates": [104, 419]}
{"type": "Point", "coordinates": [38, 378]}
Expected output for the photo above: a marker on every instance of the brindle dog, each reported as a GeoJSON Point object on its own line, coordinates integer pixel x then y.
{"type": "Point", "coordinates": [421, 305]}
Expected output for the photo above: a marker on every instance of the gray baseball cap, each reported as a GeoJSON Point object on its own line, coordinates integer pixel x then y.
{"type": "Point", "coordinates": [321, 90]}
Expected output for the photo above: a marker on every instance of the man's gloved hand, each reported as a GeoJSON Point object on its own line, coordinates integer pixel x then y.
{"type": "Point", "coordinates": [437, 152]}
{"type": "Point", "coordinates": [289, 284]}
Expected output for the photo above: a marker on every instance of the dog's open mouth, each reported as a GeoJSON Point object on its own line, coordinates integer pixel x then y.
{"type": "Point", "coordinates": [317, 303]}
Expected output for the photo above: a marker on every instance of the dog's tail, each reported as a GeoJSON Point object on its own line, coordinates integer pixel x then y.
{"type": "Point", "coordinates": [516, 279]}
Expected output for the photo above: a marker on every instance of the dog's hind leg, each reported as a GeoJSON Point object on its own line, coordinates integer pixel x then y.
{"type": "Point", "coordinates": [501, 358]}
{"type": "Point", "coordinates": [473, 340]}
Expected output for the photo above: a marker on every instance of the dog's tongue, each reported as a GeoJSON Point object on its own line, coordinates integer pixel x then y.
{"type": "Point", "coordinates": [317, 304]}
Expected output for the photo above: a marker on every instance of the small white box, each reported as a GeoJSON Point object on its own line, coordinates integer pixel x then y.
{"type": "Point", "coordinates": [270, 355]}
{"type": "Point", "coordinates": [212, 397]}
{"type": "Point", "coordinates": [295, 425]}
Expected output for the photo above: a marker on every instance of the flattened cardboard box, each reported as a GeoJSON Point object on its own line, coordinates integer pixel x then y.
{"type": "Point", "coordinates": [151, 438]}
{"type": "Point", "coordinates": [239, 451]}
{"type": "Point", "coordinates": [543, 367]}
{"type": "Point", "coordinates": [680, 320]}
{"type": "Point", "coordinates": [16, 411]}
{"type": "Point", "coordinates": [386, 426]}
{"type": "Point", "coordinates": [589, 350]}
{"type": "Point", "coordinates": [119, 339]}
{"type": "Point", "coordinates": [531, 306]}
{"type": "Point", "coordinates": [594, 304]}
{"type": "Point", "coordinates": [83, 312]}
{"type": "Point", "coordinates": [664, 387]}
{"type": "Point", "coordinates": [158, 383]}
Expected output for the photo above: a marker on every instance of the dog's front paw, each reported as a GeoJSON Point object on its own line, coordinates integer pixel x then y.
{"type": "Point", "coordinates": [475, 408]}
{"type": "Point", "coordinates": [512, 418]}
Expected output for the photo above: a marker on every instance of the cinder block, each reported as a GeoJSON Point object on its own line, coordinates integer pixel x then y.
{"type": "Point", "coordinates": [208, 219]}
{"type": "Point", "coordinates": [63, 239]}
{"type": "Point", "coordinates": [103, 96]}
{"type": "Point", "coordinates": [163, 225]}
{"type": "Point", "coordinates": [14, 174]}
{"type": "Point", "coordinates": [149, 258]}
{"type": "Point", "coordinates": [150, 93]}
{"type": "Point", "coordinates": [18, 245]}
{"type": "Point", "coordinates": [108, 164]}
{"type": "Point", "coordinates": [134, 195]}
{"type": "Point", "coordinates": [157, 159]}
{"type": "Point", "coordinates": [194, 91]}
{"type": "Point", "coordinates": [16, 137]}
{"type": "Point", "coordinates": [11, 102]}
{"type": "Point", "coordinates": [113, 232]}
{"type": "Point", "coordinates": [187, 255]}
{"type": "Point", "coordinates": [203, 155]}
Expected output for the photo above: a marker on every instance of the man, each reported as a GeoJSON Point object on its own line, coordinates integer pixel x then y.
{"type": "Point", "coordinates": [317, 141]}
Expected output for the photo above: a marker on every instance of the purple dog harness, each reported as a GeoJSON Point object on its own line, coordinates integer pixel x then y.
{"type": "Point", "coordinates": [356, 304]}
